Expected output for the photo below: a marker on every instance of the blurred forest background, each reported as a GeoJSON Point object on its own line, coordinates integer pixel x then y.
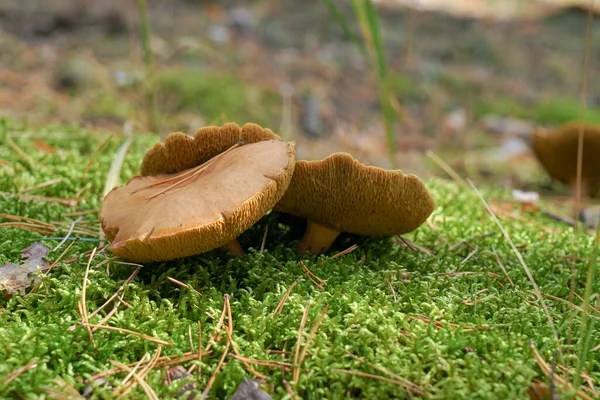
{"type": "Point", "coordinates": [467, 81]}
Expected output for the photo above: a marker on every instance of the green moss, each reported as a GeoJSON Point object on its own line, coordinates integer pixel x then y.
{"type": "Point", "coordinates": [486, 355]}
{"type": "Point", "coordinates": [559, 111]}
{"type": "Point", "coordinates": [550, 111]}
{"type": "Point", "coordinates": [107, 105]}
{"type": "Point", "coordinates": [401, 85]}
{"type": "Point", "coordinates": [217, 97]}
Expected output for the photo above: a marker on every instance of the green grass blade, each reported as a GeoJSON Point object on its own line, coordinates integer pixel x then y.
{"type": "Point", "coordinates": [587, 327]}
{"type": "Point", "coordinates": [368, 20]}
{"type": "Point", "coordinates": [373, 23]}
{"type": "Point", "coordinates": [343, 23]}
{"type": "Point", "coordinates": [148, 64]}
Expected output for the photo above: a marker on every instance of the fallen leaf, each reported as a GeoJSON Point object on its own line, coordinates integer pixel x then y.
{"type": "Point", "coordinates": [250, 389]}
{"type": "Point", "coordinates": [17, 277]}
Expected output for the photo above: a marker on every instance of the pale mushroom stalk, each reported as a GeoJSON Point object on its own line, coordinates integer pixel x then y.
{"type": "Point", "coordinates": [317, 238]}
{"type": "Point", "coordinates": [234, 248]}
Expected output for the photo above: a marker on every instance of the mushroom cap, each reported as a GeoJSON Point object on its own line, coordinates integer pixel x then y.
{"type": "Point", "coordinates": [225, 199]}
{"type": "Point", "coordinates": [342, 194]}
{"type": "Point", "coordinates": [556, 150]}
{"type": "Point", "coordinates": [181, 151]}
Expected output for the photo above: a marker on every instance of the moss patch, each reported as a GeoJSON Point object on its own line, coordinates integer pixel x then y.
{"type": "Point", "coordinates": [457, 336]}
{"type": "Point", "coordinates": [217, 97]}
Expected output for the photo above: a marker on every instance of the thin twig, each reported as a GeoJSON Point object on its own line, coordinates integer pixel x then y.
{"type": "Point", "coordinates": [43, 199]}
{"type": "Point", "coordinates": [570, 305]}
{"type": "Point", "coordinates": [199, 351]}
{"type": "Point", "coordinates": [344, 252]}
{"type": "Point", "coordinates": [469, 239]}
{"type": "Point", "coordinates": [120, 289]}
{"type": "Point", "coordinates": [218, 327]}
{"type": "Point", "coordinates": [311, 335]}
{"type": "Point", "coordinates": [42, 185]}
{"type": "Point", "coordinates": [111, 298]}
{"type": "Point", "coordinates": [286, 295]}
{"type": "Point", "coordinates": [387, 279]}
{"type": "Point", "coordinates": [502, 265]}
{"type": "Point", "coordinates": [447, 169]}
{"type": "Point", "coordinates": [523, 264]}
{"type": "Point", "coordinates": [143, 373]}
{"type": "Point", "coordinates": [289, 390]}
{"type": "Point", "coordinates": [184, 285]}
{"type": "Point", "coordinates": [233, 345]}
{"type": "Point", "coordinates": [468, 257]}
{"type": "Point", "coordinates": [212, 378]}
{"type": "Point", "coordinates": [318, 282]}
{"type": "Point", "coordinates": [18, 372]}
{"type": "Point", "coordinates": [84, 315]}
{"type": "Point", "coordinates": [299, 343]}
{"type": "Point", "coordinates": [372, 376]}
{"type": "Point", "coordinates": [93, 157]}
{"type": "Point", "coordinates": [130, 374]}
{"type": "Point", "coordinates": [413, 246]}
{"type": "Point", "coordinates": [147, 389]}
{"type": "Point", "coordinates": [468, 273]}
{"type": "Point", "coordinates": [547, 370]}
{"type": "Point", "coordinates": [409, 385]}
{"type": "Point", "coordinates": [265, 363]}
{"type": "Point", "coordinates": [264, 239]}
{"type": "Point", "coordinates": [68, 233]}
{"type": "Point", "coordinates": [129, 332]}
{"type": "Point", "coordinates": [472, 303]}
{"type": "Point", "coordinates": [163, 361]}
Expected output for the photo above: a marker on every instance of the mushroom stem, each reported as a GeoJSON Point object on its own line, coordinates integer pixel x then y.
{"type": "Point", "coordinates": [234, 248]}
{"type": "Point", "coordinates": [317, 238]}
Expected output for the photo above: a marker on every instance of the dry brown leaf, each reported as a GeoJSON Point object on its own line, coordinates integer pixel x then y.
{"type": "Point", "coordinates": [17, 277]}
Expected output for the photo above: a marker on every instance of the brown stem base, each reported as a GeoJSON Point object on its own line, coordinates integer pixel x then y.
{"type": "Point", "coordinates": [234, 248]}
{"type": "Point", "coordinates": [317, 238]}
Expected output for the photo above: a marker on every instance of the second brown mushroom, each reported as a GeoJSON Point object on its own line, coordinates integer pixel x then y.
{"type": "Point", "coordinates": [339, 194]}
{"type": "Point", "coordinates": [557, 151]}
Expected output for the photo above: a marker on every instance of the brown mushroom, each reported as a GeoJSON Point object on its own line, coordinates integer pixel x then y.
{"type": "Point", "coordinates": [339, 194]}
{"type": "Point", "coordinates": [181, 151]}
{"type": "Point", "coordinates": [163, 217]}
{"type": "Point", "coordinates": [556, 150]}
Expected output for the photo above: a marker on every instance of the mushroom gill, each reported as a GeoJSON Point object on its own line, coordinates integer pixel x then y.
{"type": "Point", "coordinates": [339, 194]}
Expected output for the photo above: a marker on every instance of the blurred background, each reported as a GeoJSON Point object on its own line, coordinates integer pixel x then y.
{"type": "Point", "coordinates": [403, 83]}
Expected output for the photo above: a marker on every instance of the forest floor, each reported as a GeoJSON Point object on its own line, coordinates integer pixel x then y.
{"type": "Point", "coordinates": [448, 311]}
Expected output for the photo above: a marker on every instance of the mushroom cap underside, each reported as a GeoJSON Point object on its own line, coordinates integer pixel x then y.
{"type": "Point", "coordinates": [342, 194]}
{"type": "Point", "coordinates": [181, 151]}
{"type": "Point", "coordinates": [556, 150]}
{"type": "Point", "coordinates": [225, 199]}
